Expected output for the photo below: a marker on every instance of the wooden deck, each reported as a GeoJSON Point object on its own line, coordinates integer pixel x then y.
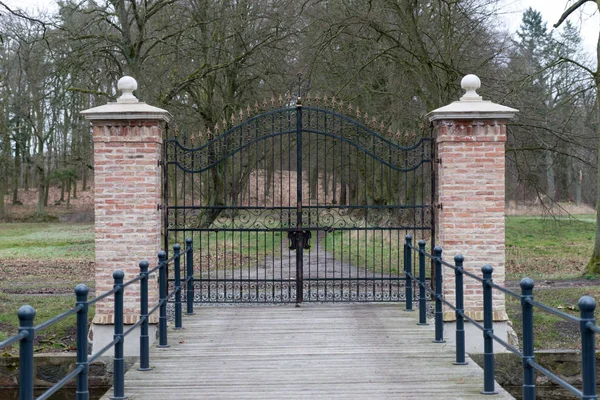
{"type": "Point", "coordinates": [319, 351]}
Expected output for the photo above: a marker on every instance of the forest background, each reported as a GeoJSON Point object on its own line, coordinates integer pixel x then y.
{"type": "Point", "coordinates": [204, 60]}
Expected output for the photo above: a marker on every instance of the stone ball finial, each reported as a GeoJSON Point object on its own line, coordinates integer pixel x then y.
{"type": "Point", "coordinates": [470, 83]}
{"type": "Point", "coordinates": [127, 85]}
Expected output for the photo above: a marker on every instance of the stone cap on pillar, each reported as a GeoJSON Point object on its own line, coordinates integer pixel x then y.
{"type": "Point", "coordinates": [127, 107]}
{"type": "Point", "coordinates": [471, 105]}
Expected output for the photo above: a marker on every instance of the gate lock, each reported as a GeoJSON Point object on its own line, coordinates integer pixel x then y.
{"type": "Point", "coordinates": [299, 239]}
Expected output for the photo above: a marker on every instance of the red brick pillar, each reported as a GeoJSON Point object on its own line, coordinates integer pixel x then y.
{"type": "Point", "coordinates": [470, 136]}
{"type": "Point", "coordinates": [127, 139]}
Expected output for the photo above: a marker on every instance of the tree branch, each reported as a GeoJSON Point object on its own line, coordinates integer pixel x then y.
{"type": "Point", "coordinates": [570, 11]}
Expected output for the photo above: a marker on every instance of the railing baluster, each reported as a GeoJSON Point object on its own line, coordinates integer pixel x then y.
{"type": "Point", "coordinates": [189, 262]}
{"type": "Point", "coordinates": [177, 271]}
{"type": "Point", "coordinates": [144, 336]}
{"type": "Point", "coordinates": [587, 305]}
{"type": "Point", "coordinates": [528, 350]}
{"type": "Point", "coordinates": [26, 315]}
{"type": "Point", "coordinates": [408, 272]}
{"type": "Point", "coordinates": [439, 321]}
{"type": "Point", "coordinates": [488, 330]}
{"type": "Point", "coordinates": [82, 393]}
{"type": "Point", "coordinates": [460, 308]}
{"type": "Point", "coordinates": [119, 360]}
{"type": "Point", "coordinates": [422, 298]}
{"type": "Point", "coordinates": [162, 293]}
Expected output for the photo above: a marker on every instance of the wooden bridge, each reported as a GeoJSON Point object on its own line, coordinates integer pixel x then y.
{"type": "Point", "coordinates": [318, 351]}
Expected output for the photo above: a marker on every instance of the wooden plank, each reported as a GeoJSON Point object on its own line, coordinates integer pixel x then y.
{"type": "Point", "coordinates": [317, 351]}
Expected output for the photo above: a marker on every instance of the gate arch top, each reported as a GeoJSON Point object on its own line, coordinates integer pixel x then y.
{"type": "Point", "coordinates": [291, 121]}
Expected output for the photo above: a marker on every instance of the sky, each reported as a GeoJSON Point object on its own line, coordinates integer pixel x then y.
{"type": "Point", "coordinates": [510, 11]}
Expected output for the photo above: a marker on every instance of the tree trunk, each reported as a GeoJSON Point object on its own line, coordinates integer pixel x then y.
{"type": "Point", "coordinates": [41, 191]}
{"type": "Point", "coordinates": [15, 183]}
{"type": "Point", "coordinates": [84, 176]}
{"type": "Point", "coordinates": [550, 177]}
{"type": "Point", "coordinates": [69, 193]}
{"type": "Point", "coordinates": [46, 192]}
{"type": "Point", "coordinates": [593, 267]}
{"type": "Point", "coordinates": [578, 185]}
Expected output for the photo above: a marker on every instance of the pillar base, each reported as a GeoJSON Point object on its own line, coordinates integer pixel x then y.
{"type": "Point", "coordinates": [104, 334]}
{"type": "Point", "coordinates": [474, 336]}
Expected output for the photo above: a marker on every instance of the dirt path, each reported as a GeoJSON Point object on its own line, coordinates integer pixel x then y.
{"type": "Point", "coordinates": [325, 278]}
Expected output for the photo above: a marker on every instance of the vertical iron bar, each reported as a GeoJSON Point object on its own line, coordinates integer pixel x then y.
{"type": "Point", "coordinates": [528, 355]}
{"type": "Point", "coordinates": [460, 309]}
{"type": "Point", "coordinates": [162, 295]}
{"type": "Point", "coordinates": [82, 392]}
{"type": "Point", "coordinates": [119, 360]}
{"type": "Point", "coordinates": [165, 164]}
{"type": "Point", "coordinates": [408, 272]}
{"type": "Point", "coordinates": [144, 336]}
{"type": "Point", "coordinates": [439, 321]}
{"type": "Point", "coordinates": [177, 270]}
{"type": "Point", "coordinates": [433, 178]}
{"type": "Point", "coordinates": [488, 331]}
{"type": "Point", "coordinates": [422, 298]}
{"type": "Point", "coordinates": [299, 238]}
{"type": "Point", "coordinates": [189, 264]}
{"type": "Point", "coordinates": [587, 305]}
{"type": "Point", "coordinates": [26, 315]}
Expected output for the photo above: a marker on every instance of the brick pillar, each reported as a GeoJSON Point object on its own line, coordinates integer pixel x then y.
{"type": "Point", "coordinates": [127, 139]}
{"type": "Point", "coordinates": [470, 136]}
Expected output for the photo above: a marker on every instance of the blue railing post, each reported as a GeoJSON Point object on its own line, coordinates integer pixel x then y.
{"type": "Point", "coordinates": [528, 354]}
{"type": "Point", "coordinates": [119, 359]}
{"type": "Point", "coordinates": [408, 272]}
{"type": "Point", "coordinates": [422, 299]}
{"type": "Point", "coordinates": [439, 318]}
{"type": "Point", "coordinates": [488, 331]}
{"type": "Point", "coordinates": [144, 336]}
{"type": "Point", "coordinates": [189, 263]}
{"type": "Point", "coordinates": [177, 271]}
{"type": "Point", "coordinates": [587, 305]}
{"type": "Point", "coordinates": [162, 294]}
{"type": "Point", "coordinates": [26, 315]}
{"type": "Point", "coordinates": [460, 309]}
{"type": "Point", "coordinates": [82, 393]}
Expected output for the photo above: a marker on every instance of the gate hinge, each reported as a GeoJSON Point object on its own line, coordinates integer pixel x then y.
{"type": "Point", "coordinates": [160, 163]}
{"type": "Point", "coordinates": [439, 207]}
{"type": "Point", "coordinates": [159, 207]}
{"type": "Point", "coordinates": [438, 160]}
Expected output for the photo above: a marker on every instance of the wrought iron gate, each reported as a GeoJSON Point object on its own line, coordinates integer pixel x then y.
{"type": "Point", "coordinates": [299, 203]}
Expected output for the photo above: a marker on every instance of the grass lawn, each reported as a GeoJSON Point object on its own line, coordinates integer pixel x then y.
{"type": "Point", "coordinates": [549, 331]}
{"type": "Point", "coordinates": [546, 248]}
{"type": "Point", "coordinates": [46, 241]}
{"type": "Point", "coordinates": [40, 265]}
{"type": "Point", "coordinates": [377, 250]}
{"type": "Point", "coordinates": [554, 250]}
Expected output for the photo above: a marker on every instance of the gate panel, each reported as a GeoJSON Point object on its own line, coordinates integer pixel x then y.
{"type": "Point", "coordinates": [363, 194]}
{"type": "Point", "coordinates": [297, 204]}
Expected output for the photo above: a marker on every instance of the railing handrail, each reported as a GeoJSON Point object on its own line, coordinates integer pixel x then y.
{"type": "Point", "coordinates": [27, 330]}
{"type": "Point", "coordinates": [588, 327]}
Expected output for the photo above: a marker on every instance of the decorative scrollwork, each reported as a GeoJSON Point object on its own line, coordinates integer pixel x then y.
{"type": "Point", "coordinates": [313, 291]}
{"type": "Point", "coordinates": [244, 292]}
{"type": "Point", "coordinates": [326, 217]}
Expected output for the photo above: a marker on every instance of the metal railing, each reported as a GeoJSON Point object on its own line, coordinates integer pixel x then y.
{"type": "Point", "coordinates": [27, 330]}
{"type": "Point", "coordinates": [586, 321]}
